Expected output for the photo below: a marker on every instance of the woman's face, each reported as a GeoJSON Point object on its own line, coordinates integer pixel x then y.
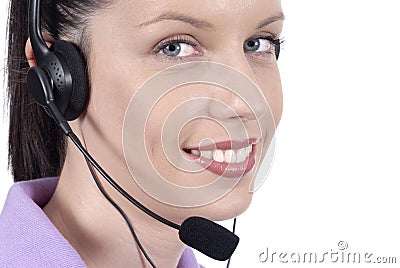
{"type": "Point", "coordinates": [126, 50]}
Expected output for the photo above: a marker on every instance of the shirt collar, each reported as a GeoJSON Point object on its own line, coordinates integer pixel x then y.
{"type": "Point", "coordinates": [29, 239]}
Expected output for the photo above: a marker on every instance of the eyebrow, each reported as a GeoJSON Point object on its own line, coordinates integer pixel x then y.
{"type": "Point", "coordinates": [202, 24]}
{"type": "Point", "coordinates": [270, 20]}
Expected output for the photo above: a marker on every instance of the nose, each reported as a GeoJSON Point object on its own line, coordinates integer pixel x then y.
{"type": "Point", "coordinates": [243, 98]}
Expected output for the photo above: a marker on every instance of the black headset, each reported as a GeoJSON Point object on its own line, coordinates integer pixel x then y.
{"type": "Point", "coordinates": [59, 83]}
{"type": "Point", "coordinates": [61, 69]}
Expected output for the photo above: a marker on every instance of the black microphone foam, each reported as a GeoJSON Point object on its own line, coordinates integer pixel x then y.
{"type": "Point", "coordinates": [209, 238]}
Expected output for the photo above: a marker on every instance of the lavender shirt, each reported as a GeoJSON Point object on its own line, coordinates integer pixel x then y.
{"type": "Point", "coordinates": [29, 239]}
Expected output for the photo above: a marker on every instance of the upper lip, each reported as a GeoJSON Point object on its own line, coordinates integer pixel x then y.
{"type": "Point", "coordinates": [224, 145]}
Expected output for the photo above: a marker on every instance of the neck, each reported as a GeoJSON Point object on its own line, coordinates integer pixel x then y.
{"type": "Point", "coordinates": [96, 229]}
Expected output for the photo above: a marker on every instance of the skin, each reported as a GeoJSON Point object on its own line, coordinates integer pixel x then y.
{"type": "Point", "coordinates": [121, 59]}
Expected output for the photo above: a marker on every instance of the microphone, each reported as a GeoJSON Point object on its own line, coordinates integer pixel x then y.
{"type": "Point", "coordinates": [202, 234]}
{"type": "Point", "coordinates": [208, 237]}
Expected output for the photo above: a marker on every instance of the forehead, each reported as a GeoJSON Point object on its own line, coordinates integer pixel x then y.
{"type": "Point", "coordinates": [212, 10]}
{"type": "Point", "coordinates": [210, 5]}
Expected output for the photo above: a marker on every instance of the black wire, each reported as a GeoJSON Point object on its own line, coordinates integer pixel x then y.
{"type": "Point", "coordinates": [89, 158]}
{"type": "Point", "coordinates": [123, 214]}
{"type": "Point", "coordinates": [63, 124]}
{"type": "Point", "coordinates": [112, 202]}
{"type": "Point", "coordinates": [233, 231]}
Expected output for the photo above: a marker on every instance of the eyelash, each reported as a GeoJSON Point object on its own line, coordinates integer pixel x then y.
{"type": "Point", "coordinates": [276, 42]}
{"type": "Point", "coordinates": [175, 40]}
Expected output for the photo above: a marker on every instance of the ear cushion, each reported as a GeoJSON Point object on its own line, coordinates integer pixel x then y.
{"type": "Point", "coordinates": [80, 85]}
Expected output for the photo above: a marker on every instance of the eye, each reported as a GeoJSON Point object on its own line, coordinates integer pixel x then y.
{"type": "Point", "coordinates": [264, 44]}
{"type": "Point", "coordinates": [177, 48]}
{"type": "Point", "coordinates": [181, 47]}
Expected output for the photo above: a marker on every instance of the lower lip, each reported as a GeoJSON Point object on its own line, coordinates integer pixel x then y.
{"type": "Point", "coordinates": [229, 170]}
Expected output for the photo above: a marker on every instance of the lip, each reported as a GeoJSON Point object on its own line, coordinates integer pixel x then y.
{"type": "Point", "coordinates": [225, 145]}
{"type": "Point", "coordinates": [229, 170]}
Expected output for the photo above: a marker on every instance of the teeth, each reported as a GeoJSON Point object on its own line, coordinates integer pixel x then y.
{"type": "Point", "coordinates": [230, 156]}
{"type": "Point", "coordinates": [227, 156]}
{"type": "Point", "coordinates": [195, 152]}
{"type": "Point", "coordinates": [218, 156]}
{"type": "Point", "coordinates": [207, 154]}
{"type": "Point", "coordinates": [241, 155]}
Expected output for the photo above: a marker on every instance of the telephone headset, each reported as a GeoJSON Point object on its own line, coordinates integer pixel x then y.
{"type": "Point", "coordinates": [59, 83]}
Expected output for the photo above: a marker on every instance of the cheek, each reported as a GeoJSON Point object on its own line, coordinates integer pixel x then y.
{"type": "Point", "coordinates": [269, 82]}
{"type": "Point", "coordinates": [112, 87]}
{"type": "Point", "coordinates": [163, 152]}
{"type": "Point", "coordinates": [108, 102]}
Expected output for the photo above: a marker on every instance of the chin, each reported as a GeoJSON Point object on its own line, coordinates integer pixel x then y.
{"type": "Point", "coordinates": [230, 206]}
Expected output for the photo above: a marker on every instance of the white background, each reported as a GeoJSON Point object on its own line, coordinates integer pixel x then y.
{"type": "Point", "coordinates": [337, 166]}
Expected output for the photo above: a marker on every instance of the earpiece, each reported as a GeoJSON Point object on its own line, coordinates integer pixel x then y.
{"type": "Point", "coordinates": [65, 69]}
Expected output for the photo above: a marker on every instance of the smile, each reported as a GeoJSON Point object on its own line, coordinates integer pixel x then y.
{"type": "Point", "coordinates": [230, 159]}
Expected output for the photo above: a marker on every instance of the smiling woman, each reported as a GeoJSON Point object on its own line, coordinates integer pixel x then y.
{"type": "Point", "coordinates": [123, 45]}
